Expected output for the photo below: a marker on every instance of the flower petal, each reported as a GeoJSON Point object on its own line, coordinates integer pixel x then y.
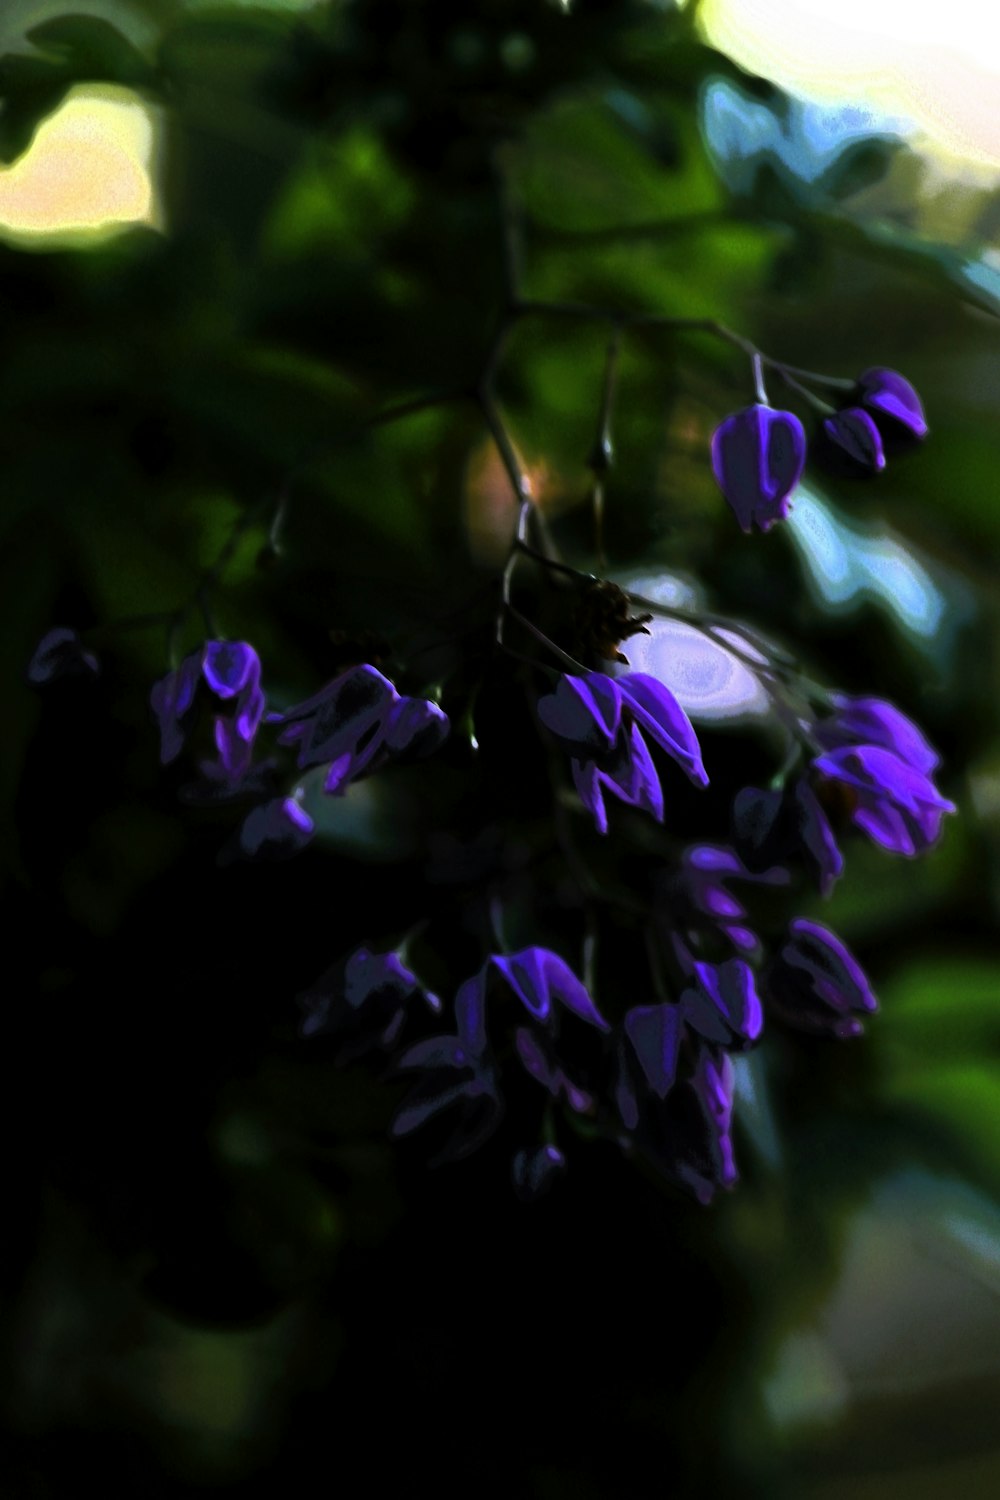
{"type": "Point", "coordinates": [872, 721]}
{"type": "Point", "coordinates": [654, 707]}
{"type": "Point", "coordinates": [584, 711]}
{"type": "Point", "coordinates": [731, 990]}
{"type": "Point", "coordinates": [655, 1034]}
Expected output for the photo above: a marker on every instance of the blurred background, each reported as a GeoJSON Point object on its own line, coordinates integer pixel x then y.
{"type": "Point", "coordinates": [231, 234]}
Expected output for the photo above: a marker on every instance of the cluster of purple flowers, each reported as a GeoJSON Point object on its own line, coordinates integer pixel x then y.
{"type": "Point", "coordinates": [652, 1072]}
{"type": "Point", "coordinates": [656, 1077]}
{"type": "Point", "coordinates": [759, 453]}
{"type": "Point", "coordinates": [353, 725]}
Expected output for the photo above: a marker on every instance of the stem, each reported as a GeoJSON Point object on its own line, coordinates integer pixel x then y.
{"type": "Point", "coordinates": [515, 473]}
{"type": "Point", "coordinates": [597, 511]}
{"type": "Point", "coordinates": [816, 402]}
{"type": "Point", "coordinates": [555, 563]}
{"type": "Point", "coordinates": [568, 661]}
{"type": "Point", "coordinates": [209, 578]}
{"type": "Point", "coordinates": [833, 382]}
{"type": "Point", "coordinates": [602, 456]}
{"type": "Point", "coordinates": [758, 380]}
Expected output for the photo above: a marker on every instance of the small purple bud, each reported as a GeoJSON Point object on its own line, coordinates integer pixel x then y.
{"type": "Point", "coordinates": [534, 1172]}
{"type": "Point", "coordinates": [60, 653]}
{"type": "Point", "coordinates": [854, 431]}
{"type": "Point", "coordinates": [888, 393]}
{"type": "Point", "coordinates": [758, 455]}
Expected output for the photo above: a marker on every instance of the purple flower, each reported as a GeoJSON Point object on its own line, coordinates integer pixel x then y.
{"type": "Point", "coordinates": [886, 393]}
{"type": "Point", "coordinates": [896, 805]}
{"type": "Point", "coordinates": [722, 1004]}
{"type": "Point", "coordinates": [872, 721]}
{"type": "Point", "coordinates": [758, 455]}
{"type": "Point", "coordinates": [231, 671]}
{"type": "Point", "coordinates": [59, 654]}
{"type": "Point", "coordinates": [362, 1003]}
{"type": "Point", "coordinates": [708, 1164]}
{"type": "Point", "coordinates": [455, 1091]}
{"type": "Point", "coordinates": [537, 1056]}
{"type": "Point", "coordinates": [853, 430]}
{"type": "Point", "coordinates": [883, 758]}
{"type": "Point", "coordinates": [682, 1124]}
{"type": "Point", "coordinates": [356, 723]}
{"type": "Point", "coordinates": [601, 722]}
{"type": "Point", "coordinates": [537, 978]}
{"type": "Point", "coordinates": [535, 1171]}
{"type": "Point", "coordinates": [276, 829]}
{"type": "Point", "coordinates": [695, 895]}
{"type": "Point", "coordinates": [653, 1034]}
{"type": "Point", "coordinates": [773, 826]}
{"type": "Point", "coordinates": [816, 984]}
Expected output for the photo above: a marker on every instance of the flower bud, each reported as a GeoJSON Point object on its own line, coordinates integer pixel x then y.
{"type": "Point", "coordinates": [758, 455]}
{"type": "Point", "coordinates": [888, 394]}
{"type": "Point", "coordinates": [854, 431]}
{"type": "Point", "coordinates": [60, 653]}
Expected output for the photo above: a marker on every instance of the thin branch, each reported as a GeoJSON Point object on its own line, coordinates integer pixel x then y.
{"type": "Point", "coordinates": [420, 403]}
{"type": "Point", "coordinates": [758, 380]}
{"type": "Point", "coordinates": [512, 464]}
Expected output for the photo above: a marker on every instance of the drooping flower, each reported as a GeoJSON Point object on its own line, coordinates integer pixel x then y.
{"type": "Point", "coordinates": [896, 805]}
{"type": "Point", "coordinates": [758, 455]}
{"type": "Point", "coordinates": [708, 1164]}
{"type": "Point", "coordinates": [815, 983]}
{"type": "Point", "coordinates": [537, 1056]}
{"type": "Point", "coordinates": [277, 829]}
{"type": "Point", "coordinates": [873, 721]}
{"type": "Point", "coordinates": [885, 761]}
{"type": "Point", "coordinates": [60, 654]}
{"type": "Point", "coordinates": [695, 895]}
{"type": "Point", "coordinates": [535, 1171]}
{"type": "Point", "coordinates": [231, 671]}
{"type": "Point", "coordinates": [881, 760]}
{"type": "Point", "coordinates": [773, 826]}
{"type": "Point", "coordinates": [855, 433]}
{"type": "Point", "coordinates": [888, 394]}
{"type": "Point", "coordinates": [601, 722]}
{"type": "Point", "coordinates": [536, 977]}
{"type": "Point", "coordinates": [456, 1091]}
{"type": "Point", "coordinates": [722, 1003]}
{"type": "Point", "coordinates": [362, 1002]}
{"type": "Point", "coordinates": [356, 723]}
{"type": "Point", "coordinates": [682, 1123]}
{"type": "Point", "coordinates": [459, 1073]}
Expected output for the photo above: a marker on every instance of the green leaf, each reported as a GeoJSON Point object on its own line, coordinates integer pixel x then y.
{"type": "Point", "coordinates": [93, 47]}
{"type": "Point", "coordinates": [75, 49]}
